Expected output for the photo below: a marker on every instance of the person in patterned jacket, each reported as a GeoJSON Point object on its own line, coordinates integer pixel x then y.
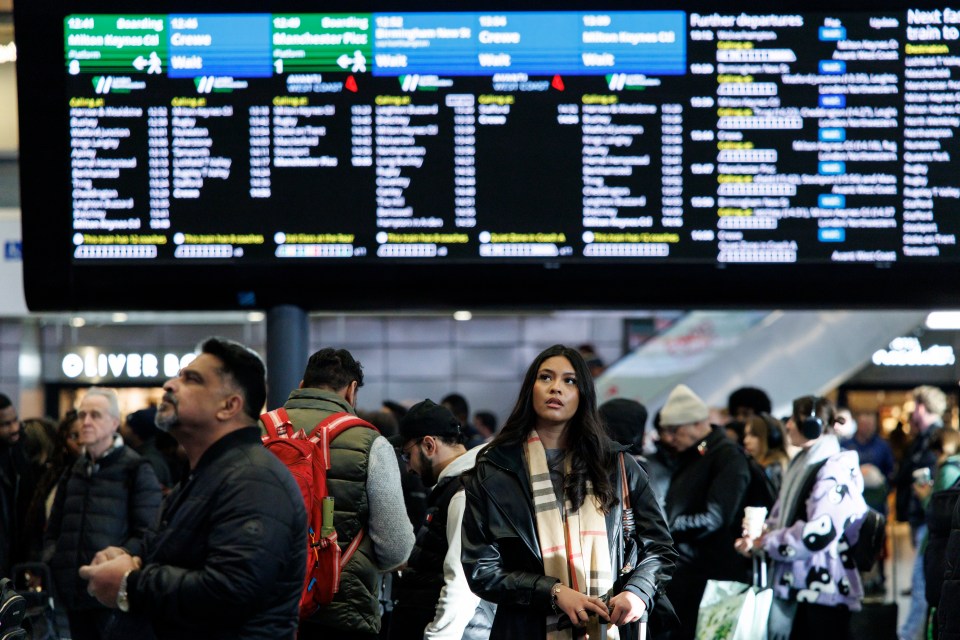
{"type": "Point", "coordinates": [810, 531]}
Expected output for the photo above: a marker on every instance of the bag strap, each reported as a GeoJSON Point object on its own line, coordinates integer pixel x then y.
{"type": "Point", "coordinates": [627, 522]}
{"type": "Point", "coordinates": [332, 426]}
{"type": "Point", "coordinates": [337, 423]}
{"type": "Point", "coordinates": [322, 435]}
{"type": "Point", "coordinates": [277, 424]}
{"type": "Point", "coordinates": [351, 549]}
{"type": "Point", "coordinates": [624, 486]}
{"type": "Point", "coordinates": [760, 570]}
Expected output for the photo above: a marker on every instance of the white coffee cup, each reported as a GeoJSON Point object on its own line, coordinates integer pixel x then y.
{"type": "Point", "coordinates": [753, 519]}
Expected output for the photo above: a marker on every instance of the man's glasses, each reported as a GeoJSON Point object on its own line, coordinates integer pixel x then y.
{"type": "Point", "coordinates": [405, 452]}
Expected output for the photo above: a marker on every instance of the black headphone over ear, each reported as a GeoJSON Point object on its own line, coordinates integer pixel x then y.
{"type": "Point", "coordinates": [774, 431]}
{"type": "Point", "coordinates": [812, 426]}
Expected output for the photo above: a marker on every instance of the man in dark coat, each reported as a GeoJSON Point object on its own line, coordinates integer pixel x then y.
{"type": "Point", "coordinates": [17, 481]}
{"type": "Point", "coordinates": [228, 557]}
{"type": "Point", "coordinates": [432, 598]}
{"type": "Point", "coordinates": [930, 403]}
{"type": "Point", "coordinates": [140, 433]}
{"type": "Point", "coordinates": [704, 504]}
{"type": "Point", "coordinates": [109, 496]}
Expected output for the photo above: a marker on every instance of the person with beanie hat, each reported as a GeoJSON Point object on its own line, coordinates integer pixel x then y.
{"type": "Point", "coordinates": [432, 598]}
{"type": "Point", "coordinates": [704, 504]}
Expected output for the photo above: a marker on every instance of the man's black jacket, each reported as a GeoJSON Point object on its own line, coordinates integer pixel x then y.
{"type": "Point", "coordinates": [228, 557]}
{"type": "Point", "coordinates": [705, 507]}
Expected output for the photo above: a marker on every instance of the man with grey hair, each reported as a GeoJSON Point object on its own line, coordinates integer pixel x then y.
{"type": "Point", "coordinates": [703, 505]}
{"type": "Point", "coordinates": [109, 497]}
{"type": "Point", "coordinates": [930, 403]}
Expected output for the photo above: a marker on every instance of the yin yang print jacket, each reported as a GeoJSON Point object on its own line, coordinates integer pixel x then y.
{"type": "Point", "coordinates": [812, 558]}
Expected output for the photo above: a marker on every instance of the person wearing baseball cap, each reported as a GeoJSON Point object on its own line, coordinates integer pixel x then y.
{"type": "Point", "coordinates": [433, 600]}
{"type": "Point", "coordinates": [704, 503]}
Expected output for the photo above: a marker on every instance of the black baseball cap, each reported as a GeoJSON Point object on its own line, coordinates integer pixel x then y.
{"type": "Point", "coordinates": [428, 418]}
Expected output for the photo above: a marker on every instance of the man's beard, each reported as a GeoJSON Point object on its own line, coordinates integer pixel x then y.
{"type": "Point", "coordinates": [165, 421]}
{"type": "Point", "coordinates": [427, 476]}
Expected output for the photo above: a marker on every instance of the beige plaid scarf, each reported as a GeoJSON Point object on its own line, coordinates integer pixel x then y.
{"type": "Point", "coordinates": [574, 544]}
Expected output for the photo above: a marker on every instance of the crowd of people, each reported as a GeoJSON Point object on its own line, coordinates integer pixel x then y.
{"type": "Point", "coordinates": [569, 518]}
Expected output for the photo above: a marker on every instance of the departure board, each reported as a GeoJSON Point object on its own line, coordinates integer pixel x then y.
{"type": "Point", "coordinates": [606, 142]}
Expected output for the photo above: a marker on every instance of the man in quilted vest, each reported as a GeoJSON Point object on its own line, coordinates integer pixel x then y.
{"type": "Point", "coordinates": [364, 480]}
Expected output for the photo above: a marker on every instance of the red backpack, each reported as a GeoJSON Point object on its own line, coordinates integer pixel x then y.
{"type": "Point", "coordinates": [308, 458]}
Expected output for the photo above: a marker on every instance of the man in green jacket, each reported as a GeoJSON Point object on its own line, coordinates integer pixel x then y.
{"type": "Point", "coordinates": [364, 480]}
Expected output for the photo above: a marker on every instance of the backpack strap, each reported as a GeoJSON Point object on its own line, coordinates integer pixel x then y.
{"type": "Point", "coordinates": [332, 426]}
{"type": "Point", "coordinates": [322, 435]}
{"type": "Point", "coordinates": [351, 549]}
{"type": "Point", "coordinates": [337, 423]}
{"type": "Point", "coordinates": [277, 424]}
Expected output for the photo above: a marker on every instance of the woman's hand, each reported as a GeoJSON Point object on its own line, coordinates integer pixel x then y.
{"type": "Point", "coordinates": [626, 607]}
{"type": "Point", "coordinates": [922, 491]}
{"type": "Point", "coordinates": [579, 606]}
{"type": "Point", "coordinates": [747, 545]}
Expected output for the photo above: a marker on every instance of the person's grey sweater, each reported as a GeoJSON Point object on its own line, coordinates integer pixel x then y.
{"type": "Point", "coordinates": [389, 528]}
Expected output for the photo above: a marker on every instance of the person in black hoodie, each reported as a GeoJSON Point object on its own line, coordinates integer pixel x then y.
{"type": "Point", "coordinates": [704, 504]}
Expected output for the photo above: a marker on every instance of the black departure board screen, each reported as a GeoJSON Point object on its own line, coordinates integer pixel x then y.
{"type": "Point", "coordinates": [726, 153]}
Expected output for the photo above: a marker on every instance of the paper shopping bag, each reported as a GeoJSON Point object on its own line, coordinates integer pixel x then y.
{"type": "Point", "coordinates": [763, 600]}
{"type": "Point", "coordinates": [726, 611]}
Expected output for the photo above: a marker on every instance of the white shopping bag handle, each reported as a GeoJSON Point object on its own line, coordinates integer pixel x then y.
{"type": "Point", "coordinates": [760, 570]}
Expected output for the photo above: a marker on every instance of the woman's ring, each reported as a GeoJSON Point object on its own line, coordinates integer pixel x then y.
{"type": "Point", "coordinates": [580, 610]}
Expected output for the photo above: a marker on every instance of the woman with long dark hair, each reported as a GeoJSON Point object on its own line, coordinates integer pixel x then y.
{"type": "Point", "coordinates": [544, 534]}
{"type": "Point", "coordinates": [764, 441]}
{"type": "Point", "coordinates": [67, 450]}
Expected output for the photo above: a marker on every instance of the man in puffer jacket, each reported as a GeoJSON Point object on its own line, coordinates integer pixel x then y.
{"type": "Point", "coordinates": [109, 497]}
{"type": "Point", "coordinates": [228, 555]}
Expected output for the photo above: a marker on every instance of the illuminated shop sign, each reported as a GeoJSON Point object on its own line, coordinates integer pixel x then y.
{"type": "Point", "coordinates": [908, 352]}
{"type": "Point", "coordinates": [92, 363]}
